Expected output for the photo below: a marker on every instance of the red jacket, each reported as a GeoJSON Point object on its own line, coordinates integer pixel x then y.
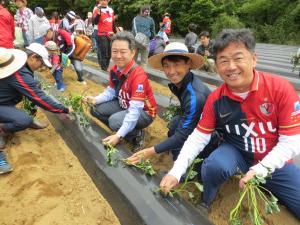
{"type": "Point", "coordinates": [105, 21]}
{"type": "Point", "coordinates": [7, 28]}
{"type": "Point", "coordinates": [167, 24]}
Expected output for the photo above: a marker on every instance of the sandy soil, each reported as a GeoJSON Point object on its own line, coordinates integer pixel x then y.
{"type": "Point", "coordinates": [48, 184]}
{"type": "Point", "coordinates": [47, 176]}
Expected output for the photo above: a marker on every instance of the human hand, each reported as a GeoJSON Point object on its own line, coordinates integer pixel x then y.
{"type": "Point", "coordinates": [89, 99]}
{"type": "Point", "coordinates": [142, 154]}
{"type": "Point", "coordinates": [206, 52]}
{"type": "Point", "coordinates": [112, 139]}
{"type": "Point", "coordinates": [71, 110]}
{"type": "Point", "coordinates": [110, 34]}
{"type": "Point", "coordinates": [249, 175]}
{"type": "Point", "coordinates": [167, 183]}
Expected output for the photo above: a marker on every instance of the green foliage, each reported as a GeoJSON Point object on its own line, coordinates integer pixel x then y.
{"type": "Point", "coordinates": [111, 154]}
{"type": "Point", "coordinates": [171, 111]}
{"type": "Point", "coordinates": [113, 159]}
{"type": "Point", "coordinates": [225, 21]}
{"type": "Point", "coordinates": [252, 192]}
{"type": "Point", "coordinates": [75, 101]}
{"type": "Point", "coordinates": [189, 179]}
{"type": "Point", "coordinates": [11, 6]}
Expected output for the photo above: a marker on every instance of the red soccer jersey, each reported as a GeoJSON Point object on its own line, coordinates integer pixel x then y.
{"type": "Point", "coordinates": [106, 20]}
{"type": "Point", "coordinates": [135, 87]}
{"type": "Point", "coordinates": [253, 125]}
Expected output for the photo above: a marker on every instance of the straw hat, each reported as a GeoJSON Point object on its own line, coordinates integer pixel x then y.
{"type": "Point", "coordinates": [11, 60]}
{"type": "Point", "coordinates": [176, 48]}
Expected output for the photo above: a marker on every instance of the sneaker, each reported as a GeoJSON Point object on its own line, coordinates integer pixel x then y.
{"type": "Point", "coordinates": [61, 89]}
{"type": "Point", "coordinates": [2, 142]}
{"type": "Point", "coordinates": [38, 125]}
{"type": "Point", "coordinates": [5, 167]}
{"type": "Point", "coordinates": [139, 141]}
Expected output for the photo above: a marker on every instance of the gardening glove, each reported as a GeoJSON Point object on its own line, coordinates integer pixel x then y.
{"type": "Point", "coordinates": [249, 175]}
{"type": "Point", "coordinates": [112, 139]}
{"type": "Point", "coordinates": [167, 183]}
{"type": "Point", "coordinates": [143, 154]}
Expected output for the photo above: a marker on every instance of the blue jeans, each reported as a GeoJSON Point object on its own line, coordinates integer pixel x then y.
{"type": "Point", "coordinates": [57, 74]}
{"type": "Point", "coordinates": [94, 39]}
{"type": "Point", "coordinates": [78, 68]}
{"type": "Point", "coordinates": [14, 119]}
{"type": "Point", "coordinates": [111, 114]}
{"type": "Point", "coordinates": [223, 164]}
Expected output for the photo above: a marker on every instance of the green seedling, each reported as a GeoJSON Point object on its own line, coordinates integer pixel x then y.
{"type": "Point", "coordinates": [28, 106]}
{"type": "Point", "coordinates": [252, 192]}
{"type": "Point", "coordinates": [144, 165]}
{"type": "Point", "coordinates": [189, 179]}
{"type": "Point", "coordinates": [75, 101]}
{"type": "Point", "coordinates": [171, 111]}
{"type": "Point", "coordinates": [111, 154]}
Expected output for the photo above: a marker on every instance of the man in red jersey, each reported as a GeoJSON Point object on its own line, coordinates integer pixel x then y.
{"type": "Point", "coordinates": [127, 105]}
{"type": "Point", "coordinates": [7, 27]}
{"type": "Point", "coordinates": [104, 17]}
{"type": "Point", "coordinates": [259, 115]}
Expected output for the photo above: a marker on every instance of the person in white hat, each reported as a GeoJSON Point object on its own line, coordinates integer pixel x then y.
{"type": "Point", "coordinates": [176, 62]}
{"type": "Point", "coordinates": [17, 81]}
{"type": "Point", "coordinates": [68, 22]}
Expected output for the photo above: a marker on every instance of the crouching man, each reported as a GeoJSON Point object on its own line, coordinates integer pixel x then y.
{"type": "Point", "coordinates": [16, 75]}
{"type": "Point", "coordinates": [259, 116]}
{"type": "Point", "coordinates": [176, 62]}
{"type": "Point", "coordinates": [127, 105]}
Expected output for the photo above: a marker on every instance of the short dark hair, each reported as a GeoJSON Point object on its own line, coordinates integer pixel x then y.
{"type": "Point", "coordinates": [204, 33]}
{"type": "Point", "coordinates": [144, 8]}
{"type": "Point", "coordinates": [175, 58]}
{"type": "Point", "coordinates": [125, 36]}
{"type": "Point", "coordinates": [238, 36]}
{"type": "Point", "coordinates": [192, 27]}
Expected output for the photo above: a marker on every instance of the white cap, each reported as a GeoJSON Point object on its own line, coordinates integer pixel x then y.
{"type": "Point", "coordinates": [41, 51]}
{"type": "Point", "coordinates": [72, 15]}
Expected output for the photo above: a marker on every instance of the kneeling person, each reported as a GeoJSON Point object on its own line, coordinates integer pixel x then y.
{"type": "Point", "coordinates": [17, 80]}
{"type": "Point", "coordinates": [176, 62]}
{"type": "Point", "coordinates": [127, 105]}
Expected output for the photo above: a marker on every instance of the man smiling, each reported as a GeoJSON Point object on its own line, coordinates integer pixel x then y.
{"type": "Point", "coordinates": [176, 62]}
{"type": "Point", "coordinates": [127, 106]}
{"type": "Point", "coordinates": [259, 115]}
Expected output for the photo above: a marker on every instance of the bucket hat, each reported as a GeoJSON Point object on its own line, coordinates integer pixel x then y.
{"type": "Point", "coordinates": [71, 15]}
{"type": "Point", "coordinates": [41, 51]}
{"type": "Point", "coordinates": [11, 60]}
{"type": "Point", "coordinates": [176, 48]}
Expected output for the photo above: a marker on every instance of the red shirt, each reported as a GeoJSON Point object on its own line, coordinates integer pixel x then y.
{"type": "Point", "coordinates": [106, 20]}
{"type": "Point", "coordinates": [253, 125]}
{"type": "Point", "coordinates": [55, 59]}
{"type": "Point", "coordinates": [7, 28]}
{"type": "Point", "coordinates": [54, 23]}
{"type": "Point", "coordinates": [135, 87]}
{"type": "Point", "coordinates": [167, 20]}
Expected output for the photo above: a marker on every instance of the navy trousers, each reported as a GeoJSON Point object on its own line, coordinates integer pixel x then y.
{"type": "Point", "coordinates": [224, 162]}
{"type": "Point", "coordinates": [14, 119]}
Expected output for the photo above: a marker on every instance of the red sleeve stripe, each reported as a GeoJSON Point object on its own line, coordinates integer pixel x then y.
{"type": "Point", "coordinates": [204, 130]}
{"type": "Point", "coordinates": [34, 95]}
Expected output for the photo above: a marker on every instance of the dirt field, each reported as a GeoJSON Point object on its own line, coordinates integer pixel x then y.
{"type": "Point", "coordinates": [48, 185]}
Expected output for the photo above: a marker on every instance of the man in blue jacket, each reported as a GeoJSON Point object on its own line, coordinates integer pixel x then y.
{"type": "Point", "coordinates": [176, 62]}
{"type": "Point", "coordinates": [17, 80]}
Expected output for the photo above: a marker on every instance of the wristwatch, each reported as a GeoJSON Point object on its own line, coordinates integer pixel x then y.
{"type": "Point", "coordinates": [119, 136]}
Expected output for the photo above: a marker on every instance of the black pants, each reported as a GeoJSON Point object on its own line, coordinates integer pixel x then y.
{"type": "Point", "coordinates": [103, 47]}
